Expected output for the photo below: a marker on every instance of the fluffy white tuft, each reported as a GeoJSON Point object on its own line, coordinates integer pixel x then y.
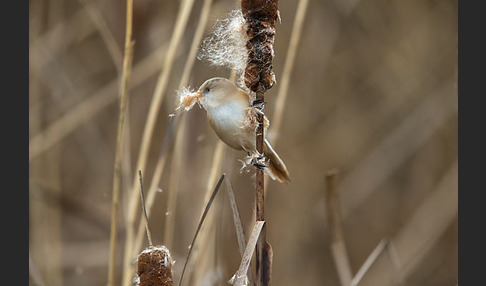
{"type": "Point", "coordinates": [226, 44]}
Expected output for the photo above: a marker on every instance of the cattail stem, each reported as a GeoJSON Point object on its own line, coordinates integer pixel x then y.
{"type": "Point", "coordinates": [260, 16]}
{"type": "Point", "coordinates": [260, 182]}
{"type": "Point", "coordinates": [260, 198]}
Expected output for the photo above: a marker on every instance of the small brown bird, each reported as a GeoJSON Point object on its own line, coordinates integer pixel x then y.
{"type": "Point", "coordinates": [234, 120]}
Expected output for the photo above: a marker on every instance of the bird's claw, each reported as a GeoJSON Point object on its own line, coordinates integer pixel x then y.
{"type": "Point", "coordinates": [259, 162]}
{"type": "Point", "coordinates": [260, 166]}
{"type": "Point", "coordinates": [256, 159]}
{"type": "Point", "coordinates": [260, 104]}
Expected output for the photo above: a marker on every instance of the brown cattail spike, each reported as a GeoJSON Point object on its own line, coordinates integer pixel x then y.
{"type": "Point", "coordinates": [155, 267]}
{"type": "Point", "coordinates": [260, 16]}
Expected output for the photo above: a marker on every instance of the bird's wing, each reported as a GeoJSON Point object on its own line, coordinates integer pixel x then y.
{"type": "Point", "coordinates": [245, 96]}
{"type": "Point", "coordinates": [251, 121]}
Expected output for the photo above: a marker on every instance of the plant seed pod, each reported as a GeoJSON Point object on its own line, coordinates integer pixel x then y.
{"type": "Point", "coordinates": [155, 267]}
{"type": "Point", "coordinates": [260, 16]}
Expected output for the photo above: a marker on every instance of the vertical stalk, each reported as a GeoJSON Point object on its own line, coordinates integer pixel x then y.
{"type": "Point", "coordinates": [156, 103]}
{"type": "Point", "coordinates": [260, 196]}
{"type": "Point", "coordinates": [260, 182]}
{"type": "Point", "coordinates": [287, 70]}
{"type": "Point", "coordinates": [260, 17]}
{"type": "Point", "coordinates": [127, 61]}
{"type": "Point", "coordinates": [338, 245]}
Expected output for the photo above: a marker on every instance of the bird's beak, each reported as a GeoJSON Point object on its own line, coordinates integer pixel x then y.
{"type": "Point", "coordinates": [198, 94]}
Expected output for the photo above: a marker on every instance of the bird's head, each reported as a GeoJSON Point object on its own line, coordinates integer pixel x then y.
{"type": "Point", "coordinates": [216, 91]}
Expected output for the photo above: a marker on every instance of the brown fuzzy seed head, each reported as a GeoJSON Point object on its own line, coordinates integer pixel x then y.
{"type": "Point", "coordinates": [155, 267]}
{"type": "Point", "coordinates": [260, 16]}
{"type": "Point", "coordinates": [260, 9]}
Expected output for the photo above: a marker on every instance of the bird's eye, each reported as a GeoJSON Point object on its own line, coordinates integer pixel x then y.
{"type": "Point", "coordinates": [207, 89]}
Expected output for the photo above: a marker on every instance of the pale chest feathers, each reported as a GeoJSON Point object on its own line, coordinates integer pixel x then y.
{"type": "Point", "coordinates": [230, 122]}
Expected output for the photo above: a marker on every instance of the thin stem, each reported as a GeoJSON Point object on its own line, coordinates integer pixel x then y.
{"type": "Point", "coordinates": [208, 205]}
{"type": "Point", "coordinates": [260, 196]}
{"type": "Point", "coordinates": [179, 149]}
{"type": "Point", "coordinates": [156, 103]}
{"type": "Point", "coordinates": [91, 106]}
{"type": "Point", "coordinates": [338, 246]}
{"type": "Point", "coordinates": [106, 34]}
{"type": "Point", "coordinates": [142, 199]}
{"type": "Point", "coordinates": [369, 262]}
{"type": "Point", "coordinates": [287, 70]}
{"type": "Point", "coordinates": [240, 278]}
{"type": "Point", "coordinates": [240, 234]}
{"type": "Point", "coordinates": [207, 234]}
{"type": "Point", "coordinates": [152, 191]}
{"type": "Point", "coordinates": [127, 61]}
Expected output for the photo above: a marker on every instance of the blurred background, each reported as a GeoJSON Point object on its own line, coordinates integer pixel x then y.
{"type": "Point", "coordinates": [372, 93]}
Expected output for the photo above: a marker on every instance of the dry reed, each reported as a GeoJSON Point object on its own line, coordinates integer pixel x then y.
{"type": "Point", "coordinates": [127, 62]}
{"type": "Point", "coordinates": [423, 121]}
{"type": "Point", "coordinates": [384, 245]}
{"type": "Point", "coordinates": [90, 107]}
{"type": "Point", "coordinates": [240, 278]}
{"type": "Point", "coordinates": [154, 264]}
{"type": "Point", "coordinates": [106, 34]}
{"type": "Point", "coordinates": [166, 146]}
{"type": "Point", "coordinates": [179, 149]}
{"type": "Point", "coordinates": [204, 256]}
{"type": "Point", "coordinates": [338, 245]}
{"type": "Point", "coordinates": [155, 105]}
{"type": "Point", "coordinates": [415, 239]}
{"type": "Point", "coordinates": [287, 70]}
{"type": "Point", "coordinates": [201, 221]}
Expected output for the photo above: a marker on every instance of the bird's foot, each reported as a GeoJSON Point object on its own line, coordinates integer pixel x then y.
{"type": "Point", "coordinates": [256, 159]}
{"type": "Point", "coordinates": [259, 104]}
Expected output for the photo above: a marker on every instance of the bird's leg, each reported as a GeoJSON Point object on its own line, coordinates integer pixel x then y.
{"type": "Point", "coordinates": [254, 158]}
{"type": "Point", "coordinates": [259, 104]}
{"type": "Point", "coordinates": [258, 160]}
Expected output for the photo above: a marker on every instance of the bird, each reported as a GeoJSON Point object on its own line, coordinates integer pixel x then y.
{"type": "Point", "coordinates": [233, 118]}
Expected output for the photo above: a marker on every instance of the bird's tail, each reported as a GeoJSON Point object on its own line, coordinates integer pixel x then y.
{"type": "Point", "coordinates": [276, 168]}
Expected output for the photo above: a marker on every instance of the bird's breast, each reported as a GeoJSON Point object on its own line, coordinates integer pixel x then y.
{"type": "Point", "coordinates": [228, 123]}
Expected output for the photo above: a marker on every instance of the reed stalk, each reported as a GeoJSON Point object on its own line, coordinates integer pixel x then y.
{"type": "Point", "coordinates": [338, 245]}
{"type": "Point", "coordinates": [179, 147]}
{"type": "Point", "coordinates": [127, 62]}
{"type": "Point", "coordinates": [287, 70]}
{"type": "Point", "coordinates": [153, 112]}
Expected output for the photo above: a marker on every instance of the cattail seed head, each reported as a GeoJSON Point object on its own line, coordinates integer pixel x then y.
{"type": "Point", "coordinates": [155, 267]}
